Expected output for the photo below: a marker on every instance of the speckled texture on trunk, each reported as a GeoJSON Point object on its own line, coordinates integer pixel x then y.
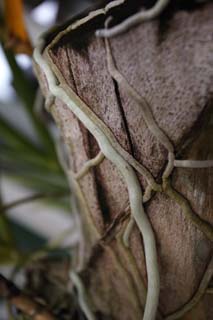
{"type": "Point", "coordinates": [170, 62]}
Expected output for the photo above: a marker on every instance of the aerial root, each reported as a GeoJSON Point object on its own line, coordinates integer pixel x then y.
{"type": "Point", "coordinates": [49, 101]}
{"type": "Point", "coordinates": [128, 230]}
{"type": "Point", "coordinates": [134, 20]}
{"type": "Point", "coordinates": [145, 109]}
{"type": "Point", "coordinates": [170, 165]}
{"type": "Point", "coordinates": [110, 148]}
{"type": "Point", "coordinates": [125, 163]}
{"type": "Point", "coordinates": [82, 296]}
{"type": "Point", "coordinates": [89, 164]}
{"type": "Point", "coordinates": [188, 212]}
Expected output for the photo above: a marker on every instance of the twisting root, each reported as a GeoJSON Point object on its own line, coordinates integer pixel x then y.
{"type": "Point", "coordinates": [133, 20]}
{"type": "Point", "coordinates": [113, 4]}
{"type": "Point", "coordinates": [111, 149]}
{"type": "Point", "coordinates": [100, 126]}
{"type": "Point", "coordinates": [170, 165]}
{"type": "Point", "coordinates": [74, 201]}
{"type": "Point", "coordinates": [50, 99]}
{"type": "Point", "coordinates": [201, 224]}
{"type": "Point", "coordinates": [76, 105]}
{"type": "Point", "coordinates": [161, 136]}
{"type": "Point", "coordinates": [193, 163]}
{"type": "Point", "coordinates": [128, 231]}
{"type": "Point", "coordinates": [89, 164]}
{"type": "Point", "coordinates": [82, 297]}
{"type": "Point", "coordinates": [147, 196]}
{"type": "Point", "coordinates": [149, 119]}
{"type": "Point", "coordinates": [197, 296]}
{"type": "Point", "coordinates": [145, 108]}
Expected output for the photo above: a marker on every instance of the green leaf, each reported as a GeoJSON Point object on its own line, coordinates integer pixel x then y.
{"type": "Point", "coordinates": [26, 91]}
{"type": "Point", "coordinates": [8, 255]}
{"type": "Point", "coordinates": [6, 236]}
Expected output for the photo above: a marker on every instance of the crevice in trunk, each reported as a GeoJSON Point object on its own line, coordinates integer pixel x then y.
{"type": "Point", "coordinates": [117, 93]}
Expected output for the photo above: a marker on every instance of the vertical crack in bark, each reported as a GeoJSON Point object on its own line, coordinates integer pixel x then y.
{"type": "Point", "coordinates": [123, 116]}
{"type": "Point", "coordinates": [98, 187]}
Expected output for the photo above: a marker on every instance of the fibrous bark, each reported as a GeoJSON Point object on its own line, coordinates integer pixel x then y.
{"type": "Point", "coordinates": [169, 62]}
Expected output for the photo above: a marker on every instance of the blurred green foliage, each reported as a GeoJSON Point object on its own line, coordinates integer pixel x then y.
{"type": "Point", "coordinates": [33, 164]}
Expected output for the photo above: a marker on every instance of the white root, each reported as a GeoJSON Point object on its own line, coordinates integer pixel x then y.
{"type": "Point", "coordinates": [133, 20]}
{"type": "Point", "coordinates": [145, 108]}
{"type": "Point", "coordinates": [133, 185]}
{"type": "Point", "coordinates": [113, 4]}
{"type": "Point", "coordinates": [49, 102]}
{"type": "Point", "coordinates": [150, 122]}
{"type": "Point", "coordinates": [74, 201]}
{"type": "Point", "coordinates": [170, 165]}
{"type": "Point", "coordinates": [89, 164]}
{"type": "Point", "coordinates": [102, 126]}
{"type": "Point", "coordinates": [128, 230]}
{"type": "Point", "coordinates": [193, 163]}
{"type": "Point", "coordinates": [111, 149]}
{"type": "Point", "coordinates": [82, 297]}
{"type": "Point", "coordinates": [147, 194]}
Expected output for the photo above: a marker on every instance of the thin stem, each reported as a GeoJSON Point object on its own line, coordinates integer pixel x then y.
{"type": "Point", "coordinates": [82, 296]}
{"type": "Point", "coordinates": [31, 198]}
{"type": "Point", "coordinates": [85, 111]}
{"type": "Point", "coordinates": [128, 230]}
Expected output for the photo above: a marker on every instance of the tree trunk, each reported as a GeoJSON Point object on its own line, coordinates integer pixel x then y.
{"type": "Point", "coordinates": [168, 61]}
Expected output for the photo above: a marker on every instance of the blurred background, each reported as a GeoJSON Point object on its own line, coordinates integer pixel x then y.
{"type": "Point", "coordinates": [35, 211]}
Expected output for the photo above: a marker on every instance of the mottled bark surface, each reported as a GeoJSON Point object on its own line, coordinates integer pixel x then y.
{"type": "Point", "coordinates": [170, 62]}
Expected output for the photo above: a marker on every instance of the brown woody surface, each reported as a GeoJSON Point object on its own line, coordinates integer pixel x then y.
{"type": "Point", "coordinates": [170, 62]}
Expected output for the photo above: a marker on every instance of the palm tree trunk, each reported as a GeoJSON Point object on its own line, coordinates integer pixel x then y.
{"type": "Point", "coordinates": [168, 61]}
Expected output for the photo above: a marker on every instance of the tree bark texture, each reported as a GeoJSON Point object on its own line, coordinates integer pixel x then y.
{"type": "Point", "coordinates": [169, 61]}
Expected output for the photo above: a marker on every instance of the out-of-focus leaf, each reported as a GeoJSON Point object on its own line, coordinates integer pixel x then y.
{"type": "Point", "coordinates": [26, 91]}
{"type": "Point", "coordinates": [29, 159]}
{"type": "Point", "coordinates": [26, 239]}
{"type": "Point", "coordinates": [8, 255]}
{"type": "Point", "coordinates": [15, 138]}
{"type": "Point", "coordinates": [6, 236]}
